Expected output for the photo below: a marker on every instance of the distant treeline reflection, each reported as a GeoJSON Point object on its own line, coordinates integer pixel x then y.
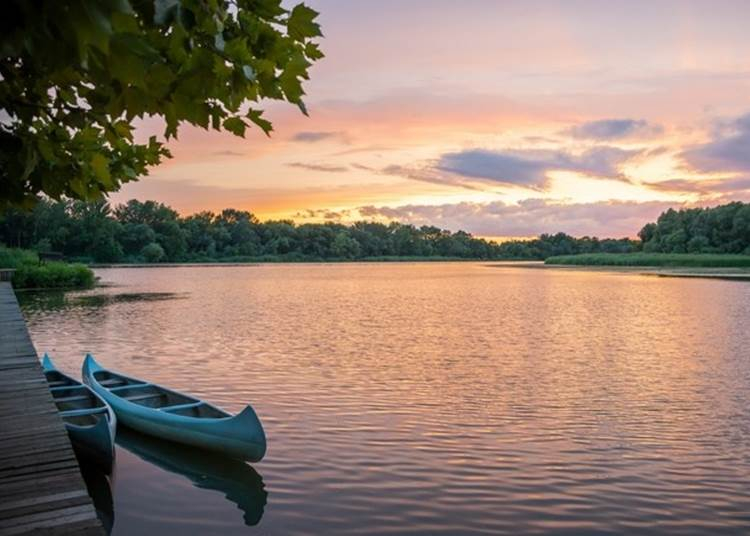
{"type": "Point", "coordinates": [153, 232]}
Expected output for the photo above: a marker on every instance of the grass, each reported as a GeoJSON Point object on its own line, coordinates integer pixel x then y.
{"type": "Point", "coordinates": [671, 260]}
{"type": "Point", "coordinates": [30, 274]}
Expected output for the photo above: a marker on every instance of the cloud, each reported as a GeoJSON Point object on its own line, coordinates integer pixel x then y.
{"type": "Point", "coordinates": [498, 166]}
{"type": "Point", "coordinates": [323, 214]}
{"type": "Point", "coordinates": [530, 217]}
{"type": "Point", "coordinates": [426, 173]}
{"type": "Point", "coordinates": [703, 187]}
{"type": "Point", "coordinates": [312, 137]}
{"type": "Point", "coordinates": [614, 129]}
{"type": "Point", "coordinates": [227, 152]}
{"type": "Point", "coordinates": [530, 168]}
{"type": "Point", "coordinates": [728, 151]}
{"type": "Point", "coordinates": [319, 167]}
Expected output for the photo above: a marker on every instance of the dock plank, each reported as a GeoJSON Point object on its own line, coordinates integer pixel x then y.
{"type": "Point", "coordinates": [41, 487]}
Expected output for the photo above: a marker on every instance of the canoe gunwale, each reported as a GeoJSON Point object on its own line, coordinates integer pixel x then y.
{"type": "Point", "coordinates": [161, 390]}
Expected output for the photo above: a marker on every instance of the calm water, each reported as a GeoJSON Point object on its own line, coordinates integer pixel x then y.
{"type": "Point", "coordinates": [429, 398]}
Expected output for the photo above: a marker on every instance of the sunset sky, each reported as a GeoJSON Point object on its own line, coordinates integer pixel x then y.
{"type": "Point", "coordinates": [504, 119]}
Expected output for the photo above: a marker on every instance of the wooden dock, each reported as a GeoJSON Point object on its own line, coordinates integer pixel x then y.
{"type": "Point", "coordinates": [41, 487]}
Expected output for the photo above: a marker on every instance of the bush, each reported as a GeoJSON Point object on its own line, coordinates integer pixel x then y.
{"type": "Point", "coordinates": [53, 275]}
{"type": "Point", "coordinates": [30, 274]}
{"type": "Point", "coordinates": [13, 258]}
{"type": "Point", "coordinates": [152, 252]}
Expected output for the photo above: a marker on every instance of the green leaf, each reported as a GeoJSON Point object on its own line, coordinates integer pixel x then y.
{"type": "Point", "coordinates": [45, 148]}
{"type": "Point", "coordinates": [255, 117]}
{"type": "Point", "coordinates": [124, 23]}
{"type": "Point", "coordinates": [100, 166]}
{"type": "Point", "coordinates": [301, 23]}
{"type": "Point", "coordinates": [124, 129]}
{"type": "Point", "coordinates": [236, 126]}
{"type": "Point", "coordinates": [236, 50]}
{"type": "Point", "coordinates": [312, 51]}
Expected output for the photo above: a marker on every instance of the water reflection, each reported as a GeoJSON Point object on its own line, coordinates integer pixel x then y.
{"type": "Point", "coordinates": [52, 300]}
{"type": "Point", "coordinates": [240, 483]}
{"type": "Point", "coordinates": [100, 491]}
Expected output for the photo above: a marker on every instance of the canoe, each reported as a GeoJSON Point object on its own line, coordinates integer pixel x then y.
{"type": "Point", "coordinates": [161, 412]}
{"type": "Point", "coordinates": [89, 420]}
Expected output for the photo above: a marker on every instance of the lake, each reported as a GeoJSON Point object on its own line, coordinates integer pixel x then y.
{"type": "Point", "coordinates": [428, 398]}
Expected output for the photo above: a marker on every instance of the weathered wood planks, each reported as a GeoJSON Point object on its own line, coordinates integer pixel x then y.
{"type": "Point", "coordinates": [41, 488]}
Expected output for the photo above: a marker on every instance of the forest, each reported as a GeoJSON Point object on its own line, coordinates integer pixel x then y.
{"type": "Point", "coordinates": [721, 229]}
{"type": "Point", "coordinates": [153, 232]}
{"type": "Point", "coordinates": [148, 231]}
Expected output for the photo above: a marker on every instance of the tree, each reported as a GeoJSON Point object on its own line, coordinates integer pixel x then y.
{"type": "Point", "coordinates": [134, 237]}
{"type": "Point", "coordinates": [152, 252]}
{"type": "Point", "coordinates": [345, 247]}
{"type": "Point", "coordinates": [163, 221]}
{"type": "Point", "coordinates": [76, 73]}
{"type": "Point", "coordinates": [239, 227]}
{"type": "Point", "coordinates": [93, 233]}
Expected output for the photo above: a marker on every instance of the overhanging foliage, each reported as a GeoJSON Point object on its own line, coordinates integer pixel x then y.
{"type": "Point", "coordinates": [77, 73]}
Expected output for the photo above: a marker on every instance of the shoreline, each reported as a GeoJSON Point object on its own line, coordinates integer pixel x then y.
{"type": "Point", "coordinates": [384, 260]}
{"type": "Point", "coordinates": [687, 272]}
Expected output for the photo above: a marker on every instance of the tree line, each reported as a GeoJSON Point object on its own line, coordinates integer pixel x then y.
{"type": "Point", "coordinates": [721, 229]}
{"type": "Point", "coordinates": [153, 232]}
{"type": "Point", "coordinates": [148, 231]}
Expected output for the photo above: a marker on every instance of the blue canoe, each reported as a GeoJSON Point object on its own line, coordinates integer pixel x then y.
{"type": "Point", "coordinates": [164, 413]}
{"type": "Point", "coordinates": [89, 420]}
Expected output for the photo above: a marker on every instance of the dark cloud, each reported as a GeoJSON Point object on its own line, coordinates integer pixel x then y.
{"type": "Point", "coordinates": [703, 187]}
{"type": "Point", "coordinates": [530, 168]}
{"type": "Point", "coordinates": [312, 137]}
{"type": "Point", "coordinates": [366, 149]}
{"type": "Point", "coordinates": [530, 217]}
{"type": "Point", "coordinates": [324, 213]}
{"type": "Point", "coordinates": [497, 166]}
{"type": "Point", "coordinates": [614, 129]}
{"type": "Point", "coordinates": [319, 167]}
{"type": "Point", "coordinates": [728, 151]}
{"type": "Point", "coordinates": [425, 173]}
{"type": "Point", "coordinates": [227, 153]}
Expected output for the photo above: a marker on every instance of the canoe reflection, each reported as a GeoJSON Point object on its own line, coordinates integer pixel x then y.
{"type": "Point", "coordinates": [100, 491]}
{"type": "Point", "coordinates": [240, 483]}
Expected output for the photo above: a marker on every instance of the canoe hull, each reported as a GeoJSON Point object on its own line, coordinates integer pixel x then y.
{"type": "Point", "coordinates": [226, 438]}
{"type": "Point", "coordinates": [94, 443]}
{"type": "Point", "coordinates": [240, 436]}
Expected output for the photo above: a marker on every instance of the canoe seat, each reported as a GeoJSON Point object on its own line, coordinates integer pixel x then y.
{"type": "Point", "coordinates": [87, 411]}
{"type": "Point", "coordinates": [178, 407]}
{"type": "Point", "coordinates": [71, 398]}
{"type": "Point", "coordinates": [113, 382]}
{"type": "Point", "coordinates": [59, 383]}
{"type": "Point", "coordinates": [128, 386]}
{"type": "Point", "coordinates": [142, 397]}
{"type": "Point", "coordinates": [64, 387]}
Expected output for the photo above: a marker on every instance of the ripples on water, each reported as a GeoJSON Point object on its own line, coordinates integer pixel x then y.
{"type": "Point", "coordinates": [431, 398]}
